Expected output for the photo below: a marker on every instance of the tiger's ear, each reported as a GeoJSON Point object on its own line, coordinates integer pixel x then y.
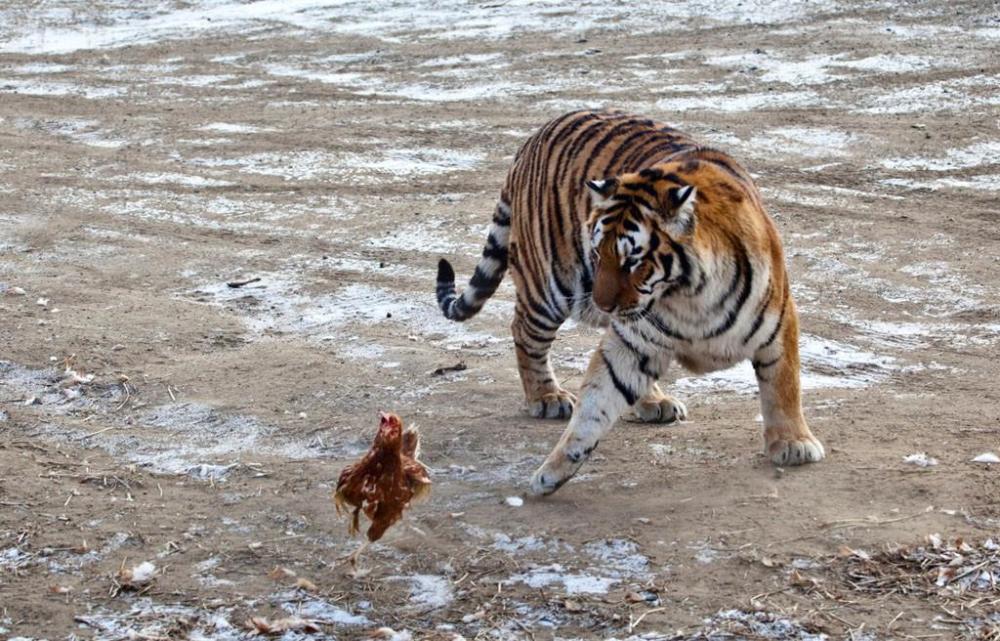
{"type": "Point", "coordinates": [679, 210]}
{"type": "Point", "coordinates": [601, 191]}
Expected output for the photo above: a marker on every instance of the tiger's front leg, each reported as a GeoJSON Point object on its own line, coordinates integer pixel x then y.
{"type": "Point", "coordinates": [618, 374]}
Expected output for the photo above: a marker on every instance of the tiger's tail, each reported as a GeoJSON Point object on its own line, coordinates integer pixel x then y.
{"type": "Point", "coordinates": [489, 272]}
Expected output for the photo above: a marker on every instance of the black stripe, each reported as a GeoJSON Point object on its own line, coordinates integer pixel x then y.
{"type": "Point", "coordinates": [538, 338]}
{"type": "Point", "coordinates": [613, 133]}
{"type": "Point", "coordinates": [649, 155]}
{"type": "Point", "coordinates": [537, 323]}
{"type": "Point", "coordinates": [623, 389]}
{"type": "Point", "coordinates": [639, 200]}
{"type": "Point", "coordinates": [760, 315]}
{"type": "Point", "coordinates": [737, 278]}
{"type": "Point", "coordinates": [624, 147]}
{"type": "Point", "coordinates": [587, 278]}
{"type": "Point", "coordinates": [744, 294]}
{"type": "Point", "coordinates": [481, 280]}
{"type": "Point", "coordinates": [661, 326]}
{"type": "Point", "coordinates": [685, 262]}
{"type": "Point", "coordinates": [498, 254]}
{"type": "Point", "coordinates": [667, 263]}
{"type": "Point", "coordinates": [640, 357]}
{"type": "Point", "coordinates": [777, 326]}
{"type": "Point", "coordinates": [530, 353]}
{"type": "Point", "coordinates": [655, 140]}
{"type": "Point", "coordinates": [723, 162]}
{"type": "Point", "coordinates": [564, 290]}
{"type": "Point", "coordinates": [646, 187]}
{"type": "Point", "coordinates": [628, 344]}
{"type": "Point", "coordinates": [759, 365]}
{"type": "Point", "coordinates": [545, 311]}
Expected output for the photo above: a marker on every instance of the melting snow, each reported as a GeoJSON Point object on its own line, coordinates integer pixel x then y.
{"type": "Point", "coordinates": [310, 607]}
{"type": "Point", "coordinates": [825, 364]}
{"type": "Point", "coordinates": [977, 154]}
{"type": "Point", "coordinates": [428, 591]}
{"type": "Point", "coordinates": [573, 583]}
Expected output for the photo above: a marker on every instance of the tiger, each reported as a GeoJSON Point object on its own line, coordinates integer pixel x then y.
{"type": "Point", "coordinates": [628, 224]}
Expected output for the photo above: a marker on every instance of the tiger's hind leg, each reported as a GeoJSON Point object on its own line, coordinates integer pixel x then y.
{"type": "Point", "coordinates": [658, 407]}
{"type": "Point", "coordinates": [787, 438]}
{"type": "Point", "coordinates": [532, 341]}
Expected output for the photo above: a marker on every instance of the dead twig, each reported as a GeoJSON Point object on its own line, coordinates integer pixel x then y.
{"type": "Point", "coordinates": [240, 283]}
{"type": "Point", "coordinates": [457, 367]}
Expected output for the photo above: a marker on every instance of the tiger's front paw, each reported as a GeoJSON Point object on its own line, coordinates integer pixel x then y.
{"type": "Point", "coordinates": [662, 410]}
{"type": "Point", "coordinates": [560, 466]}
{"type": "Point", "coordinates": [796, 451]}
{"type": "Point", "coordinates": [557, 404]}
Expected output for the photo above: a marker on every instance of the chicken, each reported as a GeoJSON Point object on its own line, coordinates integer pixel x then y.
{"type": "Point", "coordinates": [385, 480]}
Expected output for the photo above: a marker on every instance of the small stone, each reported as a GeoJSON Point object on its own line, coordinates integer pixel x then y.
{"type": "Point", "coordinates": [514, 501]}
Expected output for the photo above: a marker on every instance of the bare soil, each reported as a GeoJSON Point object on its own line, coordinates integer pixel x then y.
{"type": "Point", "coordinates": [150, 155]}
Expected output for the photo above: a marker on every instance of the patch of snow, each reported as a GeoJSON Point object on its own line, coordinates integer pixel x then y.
{"type": "Point", "coordinates": [369, 168]}
{"type": "Point", "coordinates": [231, 128]}
{"type": "Point", "coordinates": [428, 591]}
{"type": "Point", "coordinates": [984, 182]}
{"type": "Point", "coordinates": [891, 63]}
{"type": "Point", "coordinates": [826, 364]}
{"type": "Point", "coordinates": [731, 103]}
{"type": "Point", "coordinates": [811, 71]}
{"type": "Point", "coordinates": [280, 305]}
{"type": "Point", "coordinates": [974, 155]}
{"type": "Point", "coordinates": [311, 607]}
{"type": "Point", "coordinates": [145, 619]}
{"type": "Point", "coordinates": [14, 559]}
{"type": "Point", "coordinates": [54, 88]}
{"type": "Point", "coordinates": [619, 556]}
{"type": "Point", "coordinates": [955, 95]}
{"type": "Point", "coordinates": [573, 583]}
{"type": "Point", "coordinates": [807, 142]}
{"type": "Point", "coordinates": [187, 180]}
{"type": "Point", "coordinates": [920, 459]}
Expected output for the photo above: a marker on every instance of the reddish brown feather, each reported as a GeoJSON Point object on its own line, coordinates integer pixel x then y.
{"type": "Point", "coordinates": [386, 479]}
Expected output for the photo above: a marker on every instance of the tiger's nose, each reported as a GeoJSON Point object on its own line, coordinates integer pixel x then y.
{"type": "Point", "coordinates": [608, 307]}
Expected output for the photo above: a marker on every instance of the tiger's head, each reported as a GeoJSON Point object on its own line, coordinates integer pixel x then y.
{"type": "Point", "coordinates": [638, 224]}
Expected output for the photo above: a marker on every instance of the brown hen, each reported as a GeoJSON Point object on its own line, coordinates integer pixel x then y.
{"type": "Point", "coordinates": [385, 480]}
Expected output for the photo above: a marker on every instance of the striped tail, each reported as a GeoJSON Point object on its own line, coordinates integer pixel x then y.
{"type": "Point", "coordinates": [489, 272]}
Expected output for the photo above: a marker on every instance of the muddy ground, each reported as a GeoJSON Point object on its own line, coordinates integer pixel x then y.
{"type": "Point", "coordinates": [335, 150]}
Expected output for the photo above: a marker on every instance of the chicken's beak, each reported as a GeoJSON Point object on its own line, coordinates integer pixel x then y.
{"type": "Point", "coordinates": [383, 419]}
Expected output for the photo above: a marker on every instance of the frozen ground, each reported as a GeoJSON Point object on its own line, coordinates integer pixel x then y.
{"type": "Point", "coordinates": [153, 152]}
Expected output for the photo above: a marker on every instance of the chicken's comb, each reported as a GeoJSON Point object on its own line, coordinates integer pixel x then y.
{"type": "Point", "coordinates": [387, 418]}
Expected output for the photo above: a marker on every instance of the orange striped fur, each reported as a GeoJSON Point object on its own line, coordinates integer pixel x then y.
{"type": "Point", "coordinates": [628, 224]}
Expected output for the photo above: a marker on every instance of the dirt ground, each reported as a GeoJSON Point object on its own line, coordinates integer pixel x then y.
{"type": "Point", "coordinates": [151, 154]}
